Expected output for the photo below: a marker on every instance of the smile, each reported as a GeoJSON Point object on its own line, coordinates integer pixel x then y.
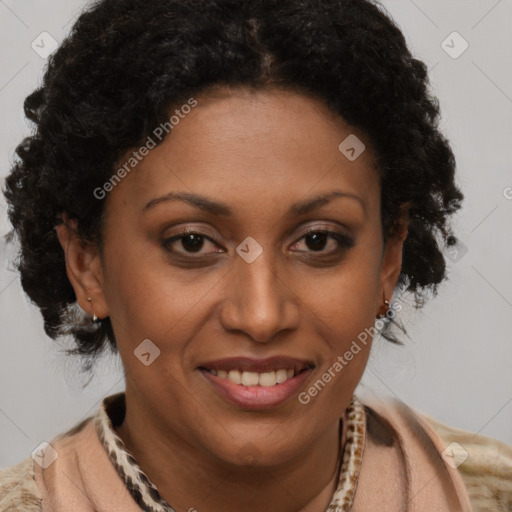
{"type": "Point", "coordinates": [256, 384]}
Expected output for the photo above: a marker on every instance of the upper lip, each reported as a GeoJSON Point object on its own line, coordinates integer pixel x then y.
{"type": "Point", "coordinates": [249, 364]}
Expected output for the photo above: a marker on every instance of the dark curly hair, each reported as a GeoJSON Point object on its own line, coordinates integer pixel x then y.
{"type": "Point", "coordinates": [126, 63]}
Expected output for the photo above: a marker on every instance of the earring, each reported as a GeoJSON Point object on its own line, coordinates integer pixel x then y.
{"type": "Point", "coordinates": [386, 303]}
{"type": "Point", "coordinates": [94, 317]}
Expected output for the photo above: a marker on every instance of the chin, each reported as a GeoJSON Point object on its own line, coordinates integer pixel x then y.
{"type": "Point", "coordinates": [253, 452]}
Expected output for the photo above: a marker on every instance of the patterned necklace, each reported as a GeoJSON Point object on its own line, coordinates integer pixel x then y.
{"type": "Point", "coordinates": [112, 410]}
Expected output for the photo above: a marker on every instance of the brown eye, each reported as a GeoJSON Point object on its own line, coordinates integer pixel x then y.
{"type": "Point", "coordinates": [192, 242]}
{"type": "Point", "coordinates": [316, 240]}
{"type": "Point", "coordinates": [187, 242]}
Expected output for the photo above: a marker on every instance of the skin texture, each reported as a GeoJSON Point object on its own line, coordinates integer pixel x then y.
{"type": "Point", "coordinates": [258, 152]}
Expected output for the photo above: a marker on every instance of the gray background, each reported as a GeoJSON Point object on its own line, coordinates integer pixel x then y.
{"type": "Point", "coordinates": [456, 365]}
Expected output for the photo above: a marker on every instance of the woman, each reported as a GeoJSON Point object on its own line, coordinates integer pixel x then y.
{"type": "Point", "coordinates": [228, 193]}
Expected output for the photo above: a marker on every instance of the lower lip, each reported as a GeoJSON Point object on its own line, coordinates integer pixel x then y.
{"type": "Point", "coordinates": [256, 397]}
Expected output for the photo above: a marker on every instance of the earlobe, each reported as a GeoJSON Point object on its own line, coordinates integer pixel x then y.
{"type": "Point", "coordinates": [83, 268]}
{"type": "Point", "coordinates": [392, 260]}
{"type": "Point", "coordinates": [390, 272]}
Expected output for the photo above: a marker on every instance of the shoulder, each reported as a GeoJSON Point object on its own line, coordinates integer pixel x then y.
{"type": "Point", "coordinates": [18, 489]}
{"type": "Point", "coordinates": [485, 465]}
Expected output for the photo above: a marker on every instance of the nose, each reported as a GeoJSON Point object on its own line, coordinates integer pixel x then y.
{"type": "Point", "coordinates": [258, 302]}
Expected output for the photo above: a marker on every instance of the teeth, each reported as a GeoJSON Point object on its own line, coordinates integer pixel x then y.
{"type": "Point", "coordinates": [265, 379]}
{"type": "Point", "coordinates": [281, 376]}
{"type": "Point", "coordinates": [250, 378]}
{"type": "Point", "coordinates": [235, 376]}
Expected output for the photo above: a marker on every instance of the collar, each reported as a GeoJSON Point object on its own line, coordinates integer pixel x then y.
{"type": "Point", "coordinates": [111, 414]}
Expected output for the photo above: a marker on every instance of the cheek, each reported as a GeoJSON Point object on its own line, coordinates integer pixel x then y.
{"type": "Point", "coordinates": [345, 323]}
{"type": "Point", "coordinates": [345, 297]}
{"type": "Point", "coordinates": [150, 299]}
{"type": "Point", "coordinates": [343, 303]}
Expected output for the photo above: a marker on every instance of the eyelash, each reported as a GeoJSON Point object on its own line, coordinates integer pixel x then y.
{"type": "Point", "coordinates": [344, 242]}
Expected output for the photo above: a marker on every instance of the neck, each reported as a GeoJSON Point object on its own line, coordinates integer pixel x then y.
{"type": "Point", "coordinates": [190, 479]}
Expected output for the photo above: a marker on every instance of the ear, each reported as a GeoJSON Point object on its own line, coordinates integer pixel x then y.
{"type": "Point", "coordinates": [391, 265]}
{"type": "Point", "coordinates": [83, 268]}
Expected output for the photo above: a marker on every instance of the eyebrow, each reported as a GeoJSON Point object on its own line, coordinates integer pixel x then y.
{"type": "Point", "coordinates": [215, 208]}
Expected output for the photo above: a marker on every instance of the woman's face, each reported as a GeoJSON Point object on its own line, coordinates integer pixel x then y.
{"type": "Point", "coordinates": [251, 285]}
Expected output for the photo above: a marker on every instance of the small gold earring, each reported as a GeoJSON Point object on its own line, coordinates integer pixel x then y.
{"type": "Point", "coordinates": [94, 317]}
{"type": "Point", "coordinates": [386, 303]}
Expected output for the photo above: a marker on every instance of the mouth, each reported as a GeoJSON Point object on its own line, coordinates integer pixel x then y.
{"type": "Point", "coordinates": [257, 383]}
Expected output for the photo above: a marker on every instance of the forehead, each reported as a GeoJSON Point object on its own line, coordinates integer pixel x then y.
{"type": "Point", "coordinates": [242, 145]}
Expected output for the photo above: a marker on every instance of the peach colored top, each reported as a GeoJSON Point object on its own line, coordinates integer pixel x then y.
{"type": "Point", "coordinates": [392, 459]}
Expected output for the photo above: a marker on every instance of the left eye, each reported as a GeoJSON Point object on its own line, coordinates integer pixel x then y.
{"type": "Point", "coordinates": [317, 239]}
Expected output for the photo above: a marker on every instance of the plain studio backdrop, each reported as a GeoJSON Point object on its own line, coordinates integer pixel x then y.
{"type": "Point", "coordinates": [456, 364]}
